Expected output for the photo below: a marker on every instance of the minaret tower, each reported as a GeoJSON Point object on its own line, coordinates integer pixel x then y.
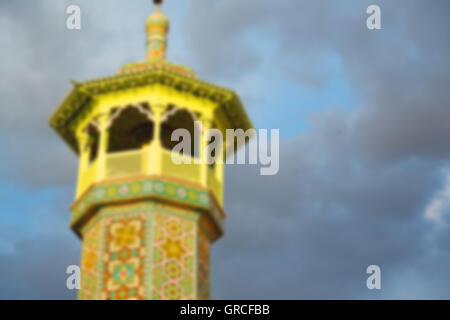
{"type": "Point", "coordinates": [146, 223]}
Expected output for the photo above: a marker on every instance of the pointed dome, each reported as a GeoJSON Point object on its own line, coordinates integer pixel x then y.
{"type": "Point", "coordinates": [157, 18]}
{"type": "Point", "coordinates": [157, 26]}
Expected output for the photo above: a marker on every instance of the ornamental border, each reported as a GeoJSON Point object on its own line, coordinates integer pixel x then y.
{"type": "Point", "coordinates": [142, 188]}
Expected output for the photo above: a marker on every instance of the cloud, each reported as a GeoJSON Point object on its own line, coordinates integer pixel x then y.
{"type": "Point", "coordinates": [440, 203]}
{"type": "Point", "coordinates": [36, 244]}
{"type": "Point", "coordinates": [39, 59]}
{"type": "Point", "coordinates": [36, 269]}
{"type": "Point", "coordinates": [311, 231]}
{"type": "Point", "coordinates": [352, 190]}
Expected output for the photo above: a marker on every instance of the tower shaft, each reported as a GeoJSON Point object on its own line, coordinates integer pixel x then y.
{"type": "Point", "coordinates": [145, 250]}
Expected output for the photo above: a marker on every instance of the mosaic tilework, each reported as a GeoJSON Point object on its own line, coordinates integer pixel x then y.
{"type": "Point", "coordinates": [124, 257]}
{"type": "Point", "coordinates": [139, 189]}
{"type": "Point", "coordinates": [89, 262]}
{"type": "Point", "coordinates": [145, 250]}
{"type": "Point", "coordinates": [173, 255]}
{"type": "Point", "coordinates": [203, 266]}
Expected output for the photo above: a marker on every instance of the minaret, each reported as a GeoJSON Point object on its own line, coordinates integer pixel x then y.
{"type": "Point", "coordinates": [146, 223]}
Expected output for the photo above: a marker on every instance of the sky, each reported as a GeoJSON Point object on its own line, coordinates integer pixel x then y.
{"type": "Point", "coordinates": [364, 120]}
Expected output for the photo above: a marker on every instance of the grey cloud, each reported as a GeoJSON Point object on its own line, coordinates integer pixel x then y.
{"type": "Point", "coordinates": [399, 74]}
{"type": "Point", "coordinates": [312, 233]}
{"type": "Point", "coordinates": [40, 57]}
{"type": "Point", "coordinates": [37, 269]}
{"type": "Point", "coordinates": [352, 190]}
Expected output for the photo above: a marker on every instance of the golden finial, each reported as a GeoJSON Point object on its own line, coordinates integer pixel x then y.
{"type": "Point", "coordinates": [157, 27]}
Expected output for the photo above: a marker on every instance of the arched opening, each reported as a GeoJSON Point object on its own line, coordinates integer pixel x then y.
{"type": "Point", "coordinates": [173, 119]}
{"type": "Point", "coordinates": [93, 141]}
{"type": "Point", "coordinates": [131, 129]}
{"type": "Point", "coordinates": [212, 165]}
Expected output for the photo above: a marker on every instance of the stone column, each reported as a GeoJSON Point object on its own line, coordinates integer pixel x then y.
{"type": "Point", "coordinates": [204, 167]}
{"type": "Point", "coordinates": [155, 147]}
{"type": "Point", "coordinates": [102, 146]}
{"type": "Point", "coordinates": [83, 142]}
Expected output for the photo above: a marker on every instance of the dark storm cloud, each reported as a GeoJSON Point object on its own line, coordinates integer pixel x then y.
{"type": "Point", "coordinates": [400, 73]}
{"type": "Point", "coordinates": [311, 231]}
{"type": "Point", "coordinates": [38, 59]}
{"type": "Point", "coordinates": [35, 76]}
{"type": "Point", "coordinates": [36, 270]}
{"type": "Point", "coordinates": [40, 245]}
{"type": "Point", "coordinates": [353, 189]}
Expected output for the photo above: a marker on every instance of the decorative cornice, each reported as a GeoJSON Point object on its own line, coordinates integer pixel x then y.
{"type": "Point", "coordinates": [79, 99]}
{"type": "Point", "coordinates": [141, 188]}
{"type": "Point", "coordinates": [157, 65]}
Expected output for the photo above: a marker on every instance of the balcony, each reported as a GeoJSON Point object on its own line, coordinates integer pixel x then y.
{"type": "Point", "coordinates": [119, 164]}
{"type": "Point", "coordinates": [150, 160]}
